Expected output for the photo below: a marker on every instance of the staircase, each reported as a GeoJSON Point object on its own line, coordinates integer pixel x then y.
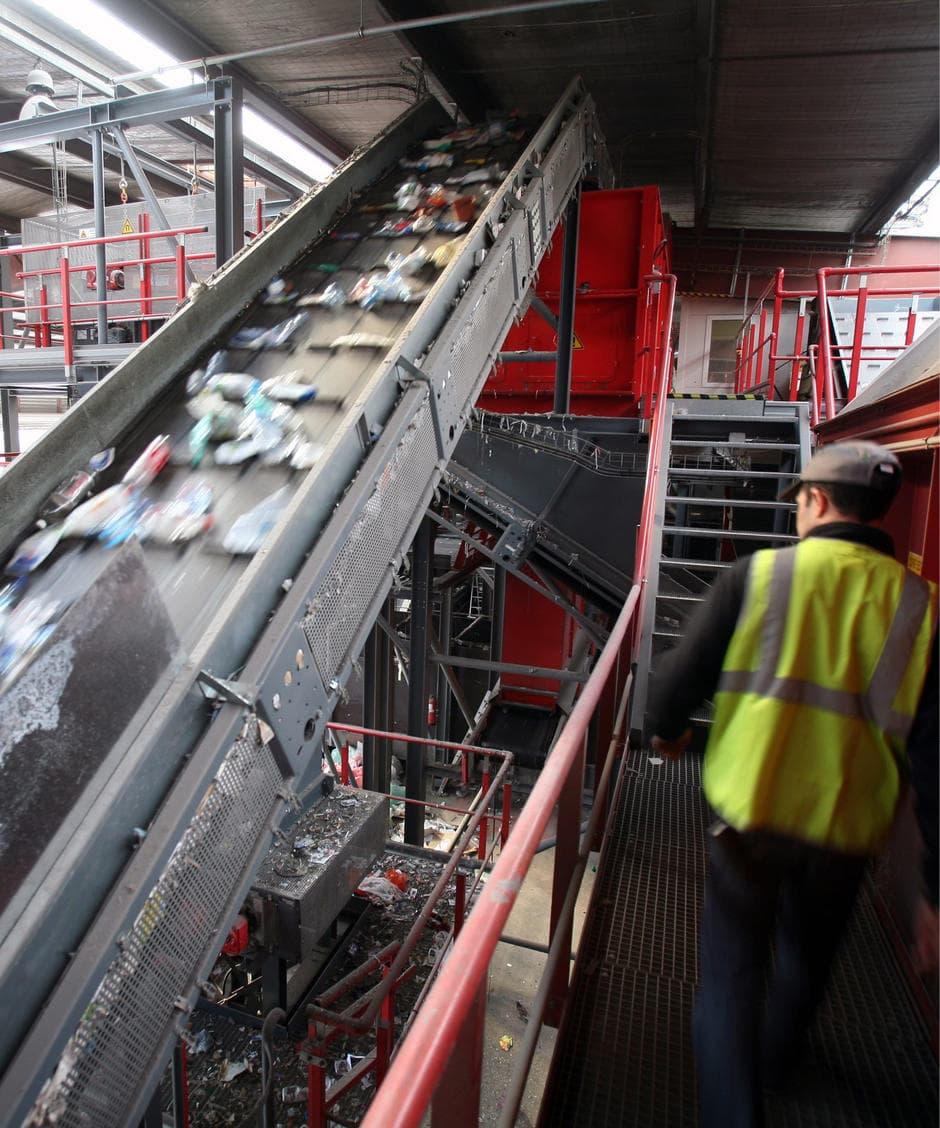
{"type": "Point", "coordinates": [726, 463]}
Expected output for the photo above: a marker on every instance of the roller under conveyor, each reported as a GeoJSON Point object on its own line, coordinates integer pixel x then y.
{"type": "Point", "coordinates": [190, 688]}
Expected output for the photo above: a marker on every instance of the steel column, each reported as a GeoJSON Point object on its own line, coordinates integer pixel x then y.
{"type": "Point", "coordinates": [496, 624]}
{"type": "Point", "coordinates": [229, 177]}
{"type": "Point", "coordinates": [456, 1102]}
{"type": "Point", "coordinates": [10, 416]}
{"type": "Point", "coordinates": [417, 685]}
{"type": "Point", "coordinates": [569, 266]}
{"type": "Point", "coordinates": [375, 750]}
{"type": "Point", "coordinates": [101, 254]}
{"type": "Point", "coordinates": [443, 685]}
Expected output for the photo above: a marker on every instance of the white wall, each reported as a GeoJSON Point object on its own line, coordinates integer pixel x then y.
{"type": "Point", "coordinates": [692, 353]}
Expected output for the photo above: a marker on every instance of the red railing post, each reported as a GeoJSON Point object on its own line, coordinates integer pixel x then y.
{"type": "Point", "coordinates": [68, 352]}
{"type": "Point", "coordinates": [181, 270]}
{"type": "Point", "coordinates": [316, 1082]}
{"type": "Point", "coordinates": [384, 1036]}
{"type": "Point", "coordinates": [759, 359]}
{"type": "Point", "coordinates": [797, 349]}
{"type": "Point", "coordinates": [344, 764]}
{"type": "Point", "coordinates": [507, 814]}
{"type": "Point", "coordinates": [259, 216]}
{"type": "Point", "coordinates": [456, 1101]}
{"type": "Point", "coordinates": [45, 335]}
{"type": "Point", "coordinates": [911, 321]}
{"type": "Point", "coordinates": [567, 844]}
{"type": "Point", "coordinates": [861, 305]}
{"type": "Point", "coordinates": [182, 1113]}
{"type": "Point", "coordinates": [460, 901]}
{"type": "Point", "coordinates": [775, 336]}
{"type": "Point", "coordinates": [145, 276]}
{"type": "Point", "coordinates": [824, 352]}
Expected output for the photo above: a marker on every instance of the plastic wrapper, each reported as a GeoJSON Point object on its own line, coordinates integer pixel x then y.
{"type": "Point", "coordinates": [306, 454]}
{"type": "Point", "coordinates": [149, 464]}
{"type": "Point", "coordinates": [279, 292]}
{"type": "Point", "coordinates": [219, 362]}
{"type": "Point", "coordinates": [431, 160]}
{"type": "Point", "coordinates": [25, 628]}
{"type": "Point", "coordinates": [91, 516]}
{"type": "Point", "coordinates": [424, 225]}
{"type": "Point", "coordinates": [248, 533]}
{"type": "Point", "coordinates": [362, 341]}
{"type": "Point", "coordinates": [33, 551]}
{"type": "Point", "coordinates": [450, 226]}
{"type": "Point", "coordinates": [407, 265]}
{"type": "Point", "coordinates": [379, 889]}
{"type": "Point", "coordinates": [288, 393]}
{"type": "Point", "coordinates": [181, 519]}
{"type": "Point", "coordinates": [333, 297]}
{"type": "Point", "coordinates": [236, 452]}
{"type": "Point", "coordinates": [438, 145]}
{"type": "Point", "coordinates": [284, 333]}
{"type": "Point", "coordinates": [482, 175]}
{"type": "Point", "coordinates": [394, 229]}
{"type": "Point", "coordinates": [247, 337]}
{"type": "Point", "coordinates": [205, 403]}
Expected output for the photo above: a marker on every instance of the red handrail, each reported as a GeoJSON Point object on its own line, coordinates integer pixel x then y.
{"type": "Point", "coordinates": [94, 242]}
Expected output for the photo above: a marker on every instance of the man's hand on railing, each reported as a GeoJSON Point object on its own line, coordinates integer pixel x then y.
{"type": "Point", "coordinates": [672, 749]}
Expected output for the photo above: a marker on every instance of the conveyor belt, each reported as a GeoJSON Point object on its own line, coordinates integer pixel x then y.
{"type": "Point", "coordinates": [624, 1055]}
{"type": "Point", "coordinates": [131, 923]}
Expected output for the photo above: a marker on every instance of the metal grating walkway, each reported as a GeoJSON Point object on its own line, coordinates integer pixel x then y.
{"type": "Point", "coordinates": [624, 1056]}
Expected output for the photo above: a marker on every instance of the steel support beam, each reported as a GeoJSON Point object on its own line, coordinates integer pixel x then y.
{"type": "Point", "coordinates": [498, 667]}
{"type": "Point", "coordinates": [229, 178]}
{"type": "Point", "coordinates": [101, 251]}
{"type": "Point", "coordinates": [914, 174]}
{"type": "Point", "coordinates": [496, 623]}
{"type": "Point", "coordinates": [38, 178]}
{"type": "Point", "coordinates": [421, 560]}
{"type": "Point", "coordinates": [443, 690]}
{"type": "Point", "coordinates": [10, 417]}
{"type": "Point", "coordinates": [376, 752]}
{"type": "Point", "coordinates": [569, 267]}
{"type": "Point", "coordinates": [138, 109]}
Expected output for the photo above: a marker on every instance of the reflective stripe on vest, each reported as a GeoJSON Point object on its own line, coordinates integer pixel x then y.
{"type": "Point", "coordinates": [820, 685]}
{"type": "Point", "coordinates": [876, 704]}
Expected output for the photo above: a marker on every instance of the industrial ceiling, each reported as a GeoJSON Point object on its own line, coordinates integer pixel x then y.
{"type": "Point", "coordinates": [800, 115]}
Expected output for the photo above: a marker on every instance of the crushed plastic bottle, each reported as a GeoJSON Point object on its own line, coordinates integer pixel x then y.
{"type": "Point", "coordinates": [125, 523]}
{"type": "Point", "coordinates": [431, 160]}
{"type": "Point", "coordinates": [279, 291]}
{"type": "Point", "coordinates": [332, 297]}
{"type": "Point", "coordinates": [248, 533]}
{"type": "Point", "coordinates": [305, 455]}
{"type": "Point", "coordinates": [197, 441]}
{"type": "Point", "coordinates": [154, 457]}
{"type": "Point", "coordinates": [75, 489]}
{"type": "Point", "coordinates": [282, 335]}
{"type": "Point", "coordinates": [91, 516]}
{"type": "Point", "coordinates": [445, 254]}
{"type": "Point", "coordinates": [179, 520]}
{"type": "Point", "coordinates": [407, 265]}
{"type": "Point", "coordinates": [247, 337]}
{"type": "Point", "coordinates": [219, 362]}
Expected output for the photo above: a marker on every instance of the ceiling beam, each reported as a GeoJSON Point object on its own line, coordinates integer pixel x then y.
{"type": "Point", "coordinates": [173, 35]}
{"type": "Point", "coordinates": [443, 55]}
{"type": "Point", "coordinates": [912, 175]}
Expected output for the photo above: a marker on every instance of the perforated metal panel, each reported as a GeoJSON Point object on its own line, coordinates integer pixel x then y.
{"type": "Point", "coordinates": [338, 608]}
{"type": "Point", "coordinates": [121, 1030]}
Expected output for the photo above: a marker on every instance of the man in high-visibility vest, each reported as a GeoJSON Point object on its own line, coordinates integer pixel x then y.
{"type": "Point", "coordinates": [821, 660]}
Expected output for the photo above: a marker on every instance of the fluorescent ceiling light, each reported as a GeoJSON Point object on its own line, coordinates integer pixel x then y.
{"type": "Point", "coordinates": [140, 52]}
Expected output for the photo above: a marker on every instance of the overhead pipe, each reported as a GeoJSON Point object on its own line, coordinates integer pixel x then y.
{"type": "Point", "coordinates": [358, 33]}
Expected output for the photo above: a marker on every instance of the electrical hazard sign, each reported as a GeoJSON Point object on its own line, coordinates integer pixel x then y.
{"type": "Point", "coordinates": [576, 343]}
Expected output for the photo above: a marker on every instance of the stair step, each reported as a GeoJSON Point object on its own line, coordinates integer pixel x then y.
{"type": "Point", "coordinates": [676, 562]}
{"type": "Point", "coordinates": [658, 633]}
{"type": "Point", "coordinates": [738, 503]}
{"type": "Point", "coordinates": [744, 420]}
{"type": "Point", "coordinates": [739, 474]}
{"type": "Point", "coordinates": [682, 530]}
{"type": "Point", "coordinates": [680, 598]}
{"type": "Point", "coordinates": [677, 440]}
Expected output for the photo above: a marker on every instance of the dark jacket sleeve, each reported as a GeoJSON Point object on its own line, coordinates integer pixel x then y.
{"type": "Point", "coordinates": [688, 675]}
{"type": "Point", "coordinates": [922, 748]}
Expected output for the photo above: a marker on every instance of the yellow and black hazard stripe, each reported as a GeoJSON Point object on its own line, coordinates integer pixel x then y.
{"type": "Point", "coordinates": [715, 396]}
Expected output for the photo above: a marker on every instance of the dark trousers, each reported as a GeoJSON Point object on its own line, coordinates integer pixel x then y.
{"type": "Point", "coordinates": [761, 890]}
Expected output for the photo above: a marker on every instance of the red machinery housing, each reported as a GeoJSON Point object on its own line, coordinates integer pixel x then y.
{"type": "Point", "coordinates": [622, 240]}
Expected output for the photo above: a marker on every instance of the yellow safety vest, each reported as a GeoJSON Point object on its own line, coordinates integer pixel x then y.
{"type": "Point", "coordinates": [818, 692]}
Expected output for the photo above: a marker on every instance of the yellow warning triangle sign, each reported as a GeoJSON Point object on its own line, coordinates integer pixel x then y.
{"type": "Point", "coordinates": [127, 228]}
{"type": "Point", "coordinates": [577, 342]}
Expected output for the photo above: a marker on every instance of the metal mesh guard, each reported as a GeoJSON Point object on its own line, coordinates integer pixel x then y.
{"type": "Point", "coordinates": [133, 1008]}
{"type": "Point", "coordinates": [349, 587]}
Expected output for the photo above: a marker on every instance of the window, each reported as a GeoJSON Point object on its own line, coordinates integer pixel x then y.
{"type": "Point", "coordinates": [722, 340]}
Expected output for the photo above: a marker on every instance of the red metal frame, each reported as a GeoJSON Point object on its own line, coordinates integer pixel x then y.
{"type": "Point", "coordinates": [43, 328]}
{"type": "Point", "coordinates": [759, 355]}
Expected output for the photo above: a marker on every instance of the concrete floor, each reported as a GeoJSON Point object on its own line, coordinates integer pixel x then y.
{"type": "Point", "coordinates": [514, 979]}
